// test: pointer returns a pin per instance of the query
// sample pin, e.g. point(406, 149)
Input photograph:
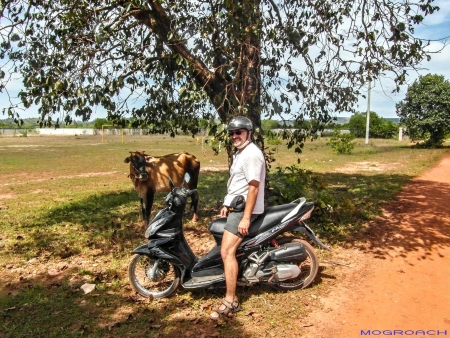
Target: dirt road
point(399, 281)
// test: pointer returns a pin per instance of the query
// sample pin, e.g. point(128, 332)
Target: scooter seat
point(270, 217)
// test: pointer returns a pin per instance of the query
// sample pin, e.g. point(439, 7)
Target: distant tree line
point(425, 112)
point(31, 123)
point(379, 127)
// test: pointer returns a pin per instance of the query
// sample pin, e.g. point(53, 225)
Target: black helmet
point(240, 122)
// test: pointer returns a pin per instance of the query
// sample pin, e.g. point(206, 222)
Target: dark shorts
point(233, 220)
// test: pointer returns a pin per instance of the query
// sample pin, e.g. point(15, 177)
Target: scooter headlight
point(177, 201)
point(162, 218)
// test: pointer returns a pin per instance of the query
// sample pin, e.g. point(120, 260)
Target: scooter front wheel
point(155, 278)
point(308, 268)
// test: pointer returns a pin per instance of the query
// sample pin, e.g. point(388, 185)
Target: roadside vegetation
point(69, 216)
point(425, 111)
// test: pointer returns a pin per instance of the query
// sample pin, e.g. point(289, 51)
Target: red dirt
point(399, 280)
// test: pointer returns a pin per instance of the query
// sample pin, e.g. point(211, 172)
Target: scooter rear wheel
point(308, 267)
point(153, 278)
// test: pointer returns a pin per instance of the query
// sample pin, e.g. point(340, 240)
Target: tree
point(99, 122)
point(170, 63)
point(378, 127)
point(425, 111)
point(385, 129)
point(341, 143)
point(267, 125)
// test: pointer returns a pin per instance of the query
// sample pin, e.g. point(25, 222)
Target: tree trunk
point(240, 95)
point(248, 77)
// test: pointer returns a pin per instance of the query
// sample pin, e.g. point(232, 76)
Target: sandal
point(225, 309)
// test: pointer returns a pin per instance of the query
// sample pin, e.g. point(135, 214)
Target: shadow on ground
point(417, 219)
point(49, 302)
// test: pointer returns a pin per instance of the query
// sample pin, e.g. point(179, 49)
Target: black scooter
point(166, 261)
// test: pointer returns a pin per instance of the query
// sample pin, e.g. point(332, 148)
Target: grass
point(69, 216)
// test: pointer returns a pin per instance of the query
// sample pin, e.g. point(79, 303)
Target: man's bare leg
point(230, 243)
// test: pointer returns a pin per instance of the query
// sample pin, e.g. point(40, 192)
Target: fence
point(128, 131)
point(325, 132)
point(16, 132)
point(69, 131)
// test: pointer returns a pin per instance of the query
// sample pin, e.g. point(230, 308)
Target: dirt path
point(399, 282)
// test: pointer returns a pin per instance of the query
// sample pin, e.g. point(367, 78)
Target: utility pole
point(368, 115)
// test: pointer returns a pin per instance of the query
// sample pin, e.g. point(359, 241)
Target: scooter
point(264, 257)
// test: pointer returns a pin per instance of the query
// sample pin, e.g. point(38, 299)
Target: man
point(247, 178)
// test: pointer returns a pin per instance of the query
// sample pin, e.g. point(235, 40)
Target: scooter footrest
point(195, 282)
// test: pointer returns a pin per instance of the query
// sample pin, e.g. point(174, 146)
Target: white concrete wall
point(66, 131)
point(70, 131)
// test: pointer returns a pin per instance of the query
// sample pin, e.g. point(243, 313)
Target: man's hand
point(244, 224)
point(224, 212)
point(243, 227)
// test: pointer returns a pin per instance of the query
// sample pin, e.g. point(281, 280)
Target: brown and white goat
point(150, 174)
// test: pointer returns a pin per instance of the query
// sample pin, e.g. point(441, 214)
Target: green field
point(69, 216)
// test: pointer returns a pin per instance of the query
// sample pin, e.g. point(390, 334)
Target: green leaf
point(15, 37)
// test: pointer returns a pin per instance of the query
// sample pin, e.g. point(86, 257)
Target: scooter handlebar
point(192, 192)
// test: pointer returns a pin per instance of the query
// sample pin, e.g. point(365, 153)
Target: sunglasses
point(237, 132)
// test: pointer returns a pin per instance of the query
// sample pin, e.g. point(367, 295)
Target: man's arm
point(244, 225)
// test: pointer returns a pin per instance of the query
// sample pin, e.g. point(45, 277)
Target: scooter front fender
point(156, 252)
point(142, 250)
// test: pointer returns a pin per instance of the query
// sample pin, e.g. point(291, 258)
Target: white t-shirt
point(248, 165)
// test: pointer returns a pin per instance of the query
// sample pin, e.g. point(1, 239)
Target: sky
point(382, 100)
point(436, 26)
